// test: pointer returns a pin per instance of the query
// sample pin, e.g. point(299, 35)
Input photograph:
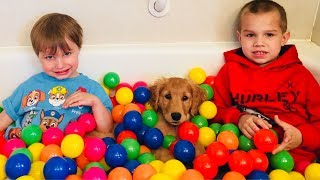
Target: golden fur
point(176, 100)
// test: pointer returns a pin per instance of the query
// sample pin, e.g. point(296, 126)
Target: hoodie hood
point(288, 55)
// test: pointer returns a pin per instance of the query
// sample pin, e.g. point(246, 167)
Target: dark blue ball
point(17, 165)
point(108, 141)
point(153, 138)
point(258, 175)
point(118, 129)
point(56, 168)
point(132, 120)
point(141, 95)
point(116, 155)
point(131, 165)
point(140, 133)
point(72, 165)
point(184, 151)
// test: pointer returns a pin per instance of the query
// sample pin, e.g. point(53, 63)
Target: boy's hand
point(249, 125)
point(80, 98)
point(292, 136)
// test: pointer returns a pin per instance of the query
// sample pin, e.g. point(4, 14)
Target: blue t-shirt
point(39, 101)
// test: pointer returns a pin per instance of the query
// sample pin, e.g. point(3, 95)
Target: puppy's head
point(177, 99)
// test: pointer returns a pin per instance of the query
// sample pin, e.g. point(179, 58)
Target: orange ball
point(144, 149)
point(119, 173)
point(231, 175)
point(82, 161)
point(50, 151)
point(191, 174)
point(117, 113)
point(131, 107)
point(229, 139)
point(144, 172)
point(73, 177)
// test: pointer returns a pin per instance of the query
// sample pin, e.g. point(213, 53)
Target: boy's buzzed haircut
point(263, 6)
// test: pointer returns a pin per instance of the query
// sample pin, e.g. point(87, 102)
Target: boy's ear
point(239, 36)
point(285, 38)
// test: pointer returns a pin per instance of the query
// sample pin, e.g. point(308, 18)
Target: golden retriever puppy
point(176, 100)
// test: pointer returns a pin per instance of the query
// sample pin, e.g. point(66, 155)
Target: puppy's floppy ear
point(198, 97)
point(155, 93)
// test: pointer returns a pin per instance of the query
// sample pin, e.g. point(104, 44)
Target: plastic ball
point(72, 165)
point(118, 129)
point(108, 141)
point(160, 176)
point(260, 160)
point(173, 168)
point(124, 135)
point(241, 162)
point(72, 145)
point(25, 177)
point(209, 80)
point(233, 175)
point(111, 80)
point(144, 149)
point(197, 75)
point(144, 172)
point(282, 160)
point(153, 138)
point(117, 113)
point(140, 133)
point(230, 127)
point(279, 174)
point(296, 175)
point(245, 143)
point(94, 164)
point(131, 107)
point(219, 152)
point(82, 161)
point(206, 136)
point(265, 140)
point(75, 127)
point(31, 134)
point(215, 127)
point(123, 84)
point(124, 96)
point(94, 173)
point(139, 84)
point(119, 173)
point(17, 165)
point(94, 148)
point(157, 165)
point(184, 151)
point(73, 177)
point(149, 118)
point(259, 175)
point(208, 90)
point(146, 158)
point(88, 121)
point(188, 131)
point(116, 155)
point(229, 139)
point(50, 151)
point(208, 109)
point(168, 139)
point(52, 135)
point(24, 151)
point(36, 170)
point(312, 171)
point(191, 174)
point(206, 166)
point(131, 165)
point(199, 121)
point(141, 94)
point(141, 106)
point(3, 161)
point(132, 147)
point(301, 166)
point(132, 120)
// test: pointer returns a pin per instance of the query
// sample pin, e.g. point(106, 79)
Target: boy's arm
point(5, 121)
point(102, 116)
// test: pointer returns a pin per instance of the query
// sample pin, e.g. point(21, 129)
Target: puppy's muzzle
point(176, 116)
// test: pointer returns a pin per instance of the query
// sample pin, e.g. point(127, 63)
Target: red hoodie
point(284, 88)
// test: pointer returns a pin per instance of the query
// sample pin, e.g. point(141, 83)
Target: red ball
point(125, 134)
point(139, 84)
point(11, 145)
point(206, 166)
point(241, 162)
point(52, 135)
point(3, 141)
point(94, 149)
point(209, 80)
point(265, 140)
point(171, 147)
point(301, 166)
point(260, 160)
point(114, 101)
point(75, 128)
point(123, 84)
point(218, 152)
point(188, 131)
point(87, 119)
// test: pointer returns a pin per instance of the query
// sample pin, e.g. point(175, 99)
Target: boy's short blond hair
point(264, 6)
point(51, 30)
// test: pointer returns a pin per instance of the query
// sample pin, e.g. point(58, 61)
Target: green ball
point(94, 164)
point(199, 121)
point(25, 151)
point(132, 147)
point(111, 80)
point(149, 118)
point(31, 134)
point(215, 127)
point(1, 109)
point(146, 158)
point(282, 160)
point(209, 91)
point(167, 140)
point(245, 143)
point(230, 127)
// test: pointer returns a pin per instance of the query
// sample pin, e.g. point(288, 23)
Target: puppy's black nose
point(176, 116)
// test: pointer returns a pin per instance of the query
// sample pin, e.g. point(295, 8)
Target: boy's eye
point(250, 35)
point(67, 53)
point(49, 57)
point(270, 34)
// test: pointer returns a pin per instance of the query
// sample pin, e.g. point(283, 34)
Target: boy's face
point(261, 37)
point(61, 65)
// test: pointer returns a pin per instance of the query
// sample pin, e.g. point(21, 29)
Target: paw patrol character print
point(14, 133)
point(33, 98)
point(57, 95)
point(50, 119)
point(28, 118)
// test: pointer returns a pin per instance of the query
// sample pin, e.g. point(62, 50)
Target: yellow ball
point(312, 172)
point(35, 150)
point(3, 160)
point(208, 109)
point(279, 174)
point(174, 168)
point(124, 96)
point(197, 75)
point(296, 175)
point(157, 164)
point(206, 136)
point(72, 145)
point(36, 170)
point(147, 105)
point(106, 90)
point(25, 177)
point(160, 176)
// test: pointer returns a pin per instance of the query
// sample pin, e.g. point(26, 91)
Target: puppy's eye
point(184, 98)
point(168, 96)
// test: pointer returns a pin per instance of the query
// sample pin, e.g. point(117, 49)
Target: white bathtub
point(137, 62)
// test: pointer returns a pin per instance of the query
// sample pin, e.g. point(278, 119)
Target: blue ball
point(258, 175)
point(141, 95)
point(132, 120)
point(118, 129)
point(140, 133)
point(17, 165)
point(184, 151)
point(56, 168)
point(131, 165)
point(153, 138)
point(116, 155)
point(72, 165)
point(108, 141)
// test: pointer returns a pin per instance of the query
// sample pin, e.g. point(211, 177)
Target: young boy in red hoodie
point(263, 84)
